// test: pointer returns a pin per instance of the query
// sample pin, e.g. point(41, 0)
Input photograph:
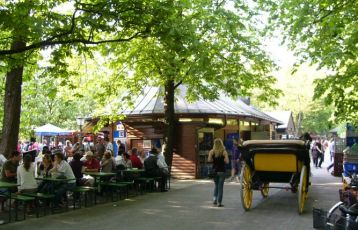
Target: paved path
point(188, 206)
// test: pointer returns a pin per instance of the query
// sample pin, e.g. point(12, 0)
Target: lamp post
point(80, 121)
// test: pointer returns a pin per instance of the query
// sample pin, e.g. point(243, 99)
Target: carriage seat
point(275, 155)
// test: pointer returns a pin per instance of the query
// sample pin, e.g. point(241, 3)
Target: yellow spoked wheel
point(265, 189)
point(246, 187)
point(302, 189)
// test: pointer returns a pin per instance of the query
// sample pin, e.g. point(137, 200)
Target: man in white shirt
point(108, 144)
point(332, 150)
point(62, 169)
point(2, 160)
point(161, 160)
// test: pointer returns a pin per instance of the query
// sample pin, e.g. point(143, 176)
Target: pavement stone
point(188, 205)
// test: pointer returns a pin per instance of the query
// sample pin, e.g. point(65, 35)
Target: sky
point(280, 53)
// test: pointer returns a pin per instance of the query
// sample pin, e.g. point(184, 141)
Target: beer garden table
point(99, 175)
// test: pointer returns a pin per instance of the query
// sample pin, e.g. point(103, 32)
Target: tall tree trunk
point(169, 114)
point(12, 105)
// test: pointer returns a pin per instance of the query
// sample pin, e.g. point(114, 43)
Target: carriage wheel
point(246, 188)
point(302, 189)
point(265, 189)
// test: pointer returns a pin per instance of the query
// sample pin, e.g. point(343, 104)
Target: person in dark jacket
point(154, 168)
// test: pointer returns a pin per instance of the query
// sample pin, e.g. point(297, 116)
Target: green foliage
point(65, 29)
point(51, 102)
point(318, 119)
point(44, 23)
point(324, 32)
point(298, 96)
point(205, 45)
point(201, 44)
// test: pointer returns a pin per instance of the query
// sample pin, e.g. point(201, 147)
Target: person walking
point(314, 153)
point(235, 160)
point(320, 153)
point(332, 150)
point(219, 157)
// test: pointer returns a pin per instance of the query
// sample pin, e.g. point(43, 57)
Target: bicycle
point(344, 214)
point(342, 217)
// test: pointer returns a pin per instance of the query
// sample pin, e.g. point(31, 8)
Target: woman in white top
point(26, 176)
point(126, 161)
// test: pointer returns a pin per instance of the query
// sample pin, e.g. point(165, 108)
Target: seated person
point(9, 171)
point(43, 170)
point(136, 162)
point(107, 162)
point(123, 164)
point(78, 168)
point(161, 161)
point(126, 161)
point(91, 165)
point(154, 168)
point(61, 169)
point(26, 176)
point(142, 157)
point(118, 159)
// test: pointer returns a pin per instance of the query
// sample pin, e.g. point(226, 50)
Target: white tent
point(51, 130)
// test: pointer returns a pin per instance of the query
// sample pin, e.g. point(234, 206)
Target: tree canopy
point(324, 32)
point(297, 97)
point(210, 46)
point(68, 28)
point(207, 45)
point(62, 22)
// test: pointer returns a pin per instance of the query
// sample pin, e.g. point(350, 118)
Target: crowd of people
point(72, 162)
point(319, 147)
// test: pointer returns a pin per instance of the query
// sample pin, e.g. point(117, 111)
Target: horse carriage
point(274, 161)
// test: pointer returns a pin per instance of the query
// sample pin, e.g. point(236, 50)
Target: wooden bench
point(24, 200)
point(116, 188)
point(48, 199)
point(145, 182)
point(129, 184)
point(83, 190)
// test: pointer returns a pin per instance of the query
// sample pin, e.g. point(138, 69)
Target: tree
point(65, 26)
point(205, 45)
point(318, 119)
point(324, 32)
point(298, 92)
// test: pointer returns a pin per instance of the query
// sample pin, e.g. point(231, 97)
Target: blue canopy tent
point(51, 130)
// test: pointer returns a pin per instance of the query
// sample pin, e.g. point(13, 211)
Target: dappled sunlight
point(327, 184)
point(208, 207)
point(151, 211)
point(172, 201)
point(204, 181)
point(216, 208)
point(67, 222)
point(175, 206)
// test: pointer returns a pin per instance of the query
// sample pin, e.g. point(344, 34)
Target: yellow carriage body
point(275, 155)
point(277, 162)
point(267, 161)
